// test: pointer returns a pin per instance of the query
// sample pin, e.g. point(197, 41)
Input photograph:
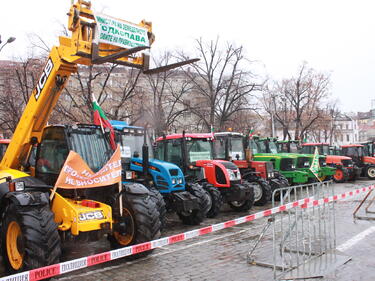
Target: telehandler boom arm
point(83, 47)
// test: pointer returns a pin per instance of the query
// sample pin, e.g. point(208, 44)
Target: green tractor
point(293, 146)
point(282, 162)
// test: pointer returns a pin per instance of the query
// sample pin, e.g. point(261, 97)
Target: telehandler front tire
point(29, 237)
point(142, 222)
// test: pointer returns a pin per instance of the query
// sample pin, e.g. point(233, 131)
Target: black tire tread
point(248, 203)
point(196, 216)
point(42, 245)
point(267, 192)
point(216, 199)
point(160, 205)
point(147, 222)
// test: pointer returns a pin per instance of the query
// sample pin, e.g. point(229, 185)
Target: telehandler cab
point(30, 222)
point(165, 180)
point(221, 179)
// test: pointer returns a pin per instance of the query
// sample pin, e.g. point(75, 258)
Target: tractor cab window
point(293, 147)
point(254, 147)
point(236, 150)
point(199, 149)
point(92, 145)
point(307, 149)
point(219, 147)
point(131, 144)
point(174, 154)
point(159, 151)
point(272, 147)
point(262, 147)
point(353, 151)
point(53, 151)
point(366, 151)
point(3, 148)
point(282, 147)
point(325, 150)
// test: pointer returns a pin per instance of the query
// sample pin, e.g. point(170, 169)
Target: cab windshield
point(199, 149)
point(262, 147)
point(293, 147)
point(272, 146)
point(354, 151)
point(131, 145)
point(254, 147)
point(236, 149)
point(307, 149)
point(325, 150)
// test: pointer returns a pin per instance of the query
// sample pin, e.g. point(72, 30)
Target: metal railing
point(300, 234)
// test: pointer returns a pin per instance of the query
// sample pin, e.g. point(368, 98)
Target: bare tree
point(296, 103)
point(164, 99)
point(325, 129)
point(221, 84)
point(18, 80)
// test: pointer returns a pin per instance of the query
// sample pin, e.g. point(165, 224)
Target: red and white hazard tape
point(65, 267)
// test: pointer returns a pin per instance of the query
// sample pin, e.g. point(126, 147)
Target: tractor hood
point(159, 165)
point(369, 159)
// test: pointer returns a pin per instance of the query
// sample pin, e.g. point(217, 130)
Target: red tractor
point(193, 153)
point(345, 168)
point(232, 146)
point(357, 153)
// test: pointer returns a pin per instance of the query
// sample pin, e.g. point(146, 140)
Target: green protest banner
point(120, 33)
point(314, 168)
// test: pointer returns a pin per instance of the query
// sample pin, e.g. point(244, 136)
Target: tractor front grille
point(347, 162)
point(301, 162)
point(161, 183)
point(269, 167)
point(322, 162)
point(173, 172)
point(286, 164)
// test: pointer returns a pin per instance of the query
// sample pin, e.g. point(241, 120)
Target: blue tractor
point(165, 180)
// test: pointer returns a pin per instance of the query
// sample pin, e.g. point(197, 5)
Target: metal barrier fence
point(304, 238)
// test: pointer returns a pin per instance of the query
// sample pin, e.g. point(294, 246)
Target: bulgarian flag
point(251, 133)
point(102, 120)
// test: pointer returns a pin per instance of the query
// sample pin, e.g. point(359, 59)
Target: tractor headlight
point(306, 164)
point(234, 175)
point(231, 175)
point(128, 175)
point(174, 181)
point(293, 166)
point(19, 186)
point(180, 180)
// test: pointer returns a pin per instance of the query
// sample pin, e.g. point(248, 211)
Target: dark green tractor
point(305, 160)
point(284, 163)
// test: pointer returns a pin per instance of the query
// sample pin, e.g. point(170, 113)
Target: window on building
point(347, 138)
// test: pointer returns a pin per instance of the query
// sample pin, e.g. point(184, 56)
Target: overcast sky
point(333, 36)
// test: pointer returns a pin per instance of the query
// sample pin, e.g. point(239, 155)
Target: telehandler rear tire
point(142, 223)
point(29, 237)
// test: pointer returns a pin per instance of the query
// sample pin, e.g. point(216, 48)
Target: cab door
point(51, 155)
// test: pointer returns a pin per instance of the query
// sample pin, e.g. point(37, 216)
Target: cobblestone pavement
point(222, 255)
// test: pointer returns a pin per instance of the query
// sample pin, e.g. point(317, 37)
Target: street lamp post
point(10, 40)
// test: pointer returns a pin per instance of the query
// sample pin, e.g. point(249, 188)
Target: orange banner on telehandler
point(77, 174)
